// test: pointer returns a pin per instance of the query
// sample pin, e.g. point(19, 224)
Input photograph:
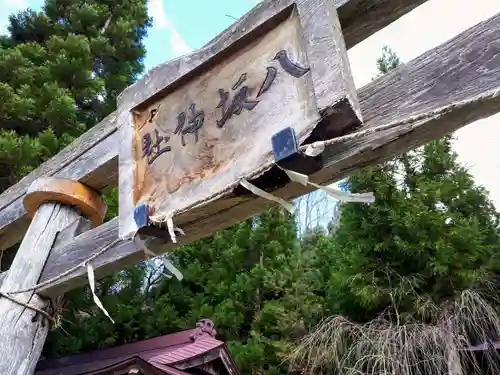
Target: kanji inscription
point(228, 113)
point(155, 142)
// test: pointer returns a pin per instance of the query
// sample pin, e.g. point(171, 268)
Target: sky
point(181, 26)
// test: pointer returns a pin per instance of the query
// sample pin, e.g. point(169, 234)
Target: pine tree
point(403, 274)
point(430, 234)
point(254, 280)
point(61, 70)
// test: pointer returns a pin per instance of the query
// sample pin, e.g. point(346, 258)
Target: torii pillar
point(54, 204)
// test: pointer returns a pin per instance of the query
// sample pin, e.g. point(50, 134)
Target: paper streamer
point(148, 253)
point(261, 193)
point(297, 177)
point(168, 218)
point(342, 196)
point(170, 227)
point(97, 301)
point(314, 149)
point(172, 269)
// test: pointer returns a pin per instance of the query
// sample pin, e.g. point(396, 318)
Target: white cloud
point(157, 12)
point(178, 46)
point(426, 27)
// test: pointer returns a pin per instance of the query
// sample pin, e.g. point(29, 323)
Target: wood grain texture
point(3, 275)
point(22, 337)
point(124, 252)
point(327, 55)
point(64, 237)
point(442, 90)
point(172, 74)
point(361, 17)
point(64, 159)
point(93, 158)
point(302, 35)
point(233, 108)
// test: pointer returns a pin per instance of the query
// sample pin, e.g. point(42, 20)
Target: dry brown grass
point(388, 345)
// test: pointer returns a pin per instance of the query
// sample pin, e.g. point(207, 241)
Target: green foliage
point(61, 70)
point(111, 198)
point(253, 280)
point(430, 235)
point(388, 61)
point(402, 274)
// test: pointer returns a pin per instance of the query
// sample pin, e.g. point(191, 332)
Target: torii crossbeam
point(423, 100)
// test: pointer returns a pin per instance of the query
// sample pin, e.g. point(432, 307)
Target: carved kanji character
point(195, 122)
point(240, 101)
point(289, 66)
point(152, 150)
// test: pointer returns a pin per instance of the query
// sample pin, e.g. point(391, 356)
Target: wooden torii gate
point(442, 90)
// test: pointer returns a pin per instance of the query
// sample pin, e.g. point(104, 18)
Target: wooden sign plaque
point(191, 129)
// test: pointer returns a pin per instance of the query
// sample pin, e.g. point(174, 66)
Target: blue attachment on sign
point(287, 155)
point(284, 144)
point(141, 215)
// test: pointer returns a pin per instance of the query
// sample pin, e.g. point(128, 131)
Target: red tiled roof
point(159, 351)
point(139, 363)
point(200, 346)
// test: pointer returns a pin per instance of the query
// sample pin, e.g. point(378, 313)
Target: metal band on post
point(66, 192)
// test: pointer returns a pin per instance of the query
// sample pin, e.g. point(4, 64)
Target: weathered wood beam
point(57, 206)
point(24, 330)
point(319, 88)
point(359, 18)
point(437, 93)
point(93, 158)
